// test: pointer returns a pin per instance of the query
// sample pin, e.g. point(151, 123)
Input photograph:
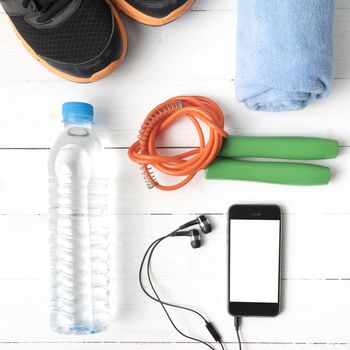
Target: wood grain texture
point(24, 253)
point(313, 312)
point(121, 109)
point(161, 63)
point(315, 291)
point(25, 171)
point(202, 63)
point(168, 346)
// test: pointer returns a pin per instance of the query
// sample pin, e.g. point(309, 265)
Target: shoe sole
point(149, 20)
point(96, 76)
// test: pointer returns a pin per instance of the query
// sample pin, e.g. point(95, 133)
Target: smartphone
point(254, 260)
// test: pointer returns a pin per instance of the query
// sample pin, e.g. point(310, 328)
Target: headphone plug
point(237, 321)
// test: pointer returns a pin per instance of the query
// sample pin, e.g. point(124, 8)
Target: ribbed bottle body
point(79, 243)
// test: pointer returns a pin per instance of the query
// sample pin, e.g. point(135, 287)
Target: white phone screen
point(254, 260)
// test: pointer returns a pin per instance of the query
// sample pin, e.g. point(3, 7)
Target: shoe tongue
point(43, 5)
point(49, 8)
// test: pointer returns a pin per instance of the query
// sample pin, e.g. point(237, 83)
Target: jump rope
point(144, 151)
point(223, 156)
point(220, 155)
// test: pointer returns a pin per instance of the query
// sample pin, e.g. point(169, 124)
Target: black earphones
point(194, 234)
point(205, 227)
point(203, 223)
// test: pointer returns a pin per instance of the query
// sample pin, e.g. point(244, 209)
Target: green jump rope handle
point(270, 172)
point(302, 148)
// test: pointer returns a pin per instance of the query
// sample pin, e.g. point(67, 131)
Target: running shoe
point(79, 40)
point(154, 12)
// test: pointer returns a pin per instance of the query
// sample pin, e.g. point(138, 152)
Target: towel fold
point(284, 53)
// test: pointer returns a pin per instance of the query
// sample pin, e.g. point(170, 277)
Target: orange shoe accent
point(152, 21)
point(96, 76)
point(197, 109)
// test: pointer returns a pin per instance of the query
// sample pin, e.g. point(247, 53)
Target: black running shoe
point(79, 40)
point(154, 12)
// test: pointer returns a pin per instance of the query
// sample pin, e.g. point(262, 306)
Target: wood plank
point(23, 189)
point(313, 317)
point(121, 110)
point(168, 346)
point(224, 5)
point(154, 53)
point(313, 312)
point(313, 248)
point(218, 5)
point(342, 4)
point(122, 101)
point(316, 264)
point(206, 54)
point(207, 5)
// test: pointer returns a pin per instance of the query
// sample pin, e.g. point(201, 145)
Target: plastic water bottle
point(78, 226)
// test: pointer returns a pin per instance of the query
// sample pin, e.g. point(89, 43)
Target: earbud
point(194, 234)
point(195, 239)
point(203, 223)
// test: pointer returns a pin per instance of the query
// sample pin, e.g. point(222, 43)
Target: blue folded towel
point(284, 53)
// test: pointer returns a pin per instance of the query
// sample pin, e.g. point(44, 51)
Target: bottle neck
point(70, 124)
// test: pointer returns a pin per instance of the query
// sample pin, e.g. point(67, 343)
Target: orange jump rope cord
point(144, 151)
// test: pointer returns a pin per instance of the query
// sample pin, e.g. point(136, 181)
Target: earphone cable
point(152, 297)
point(237, 321)
point(151, 248)
point(154, 245)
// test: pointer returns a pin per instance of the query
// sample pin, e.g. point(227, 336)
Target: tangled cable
point(195, 108)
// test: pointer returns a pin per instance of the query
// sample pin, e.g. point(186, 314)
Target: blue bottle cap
point(77, 113)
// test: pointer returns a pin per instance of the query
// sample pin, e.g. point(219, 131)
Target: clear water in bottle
point(78, 226)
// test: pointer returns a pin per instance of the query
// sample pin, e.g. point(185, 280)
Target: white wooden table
point(194, 55)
